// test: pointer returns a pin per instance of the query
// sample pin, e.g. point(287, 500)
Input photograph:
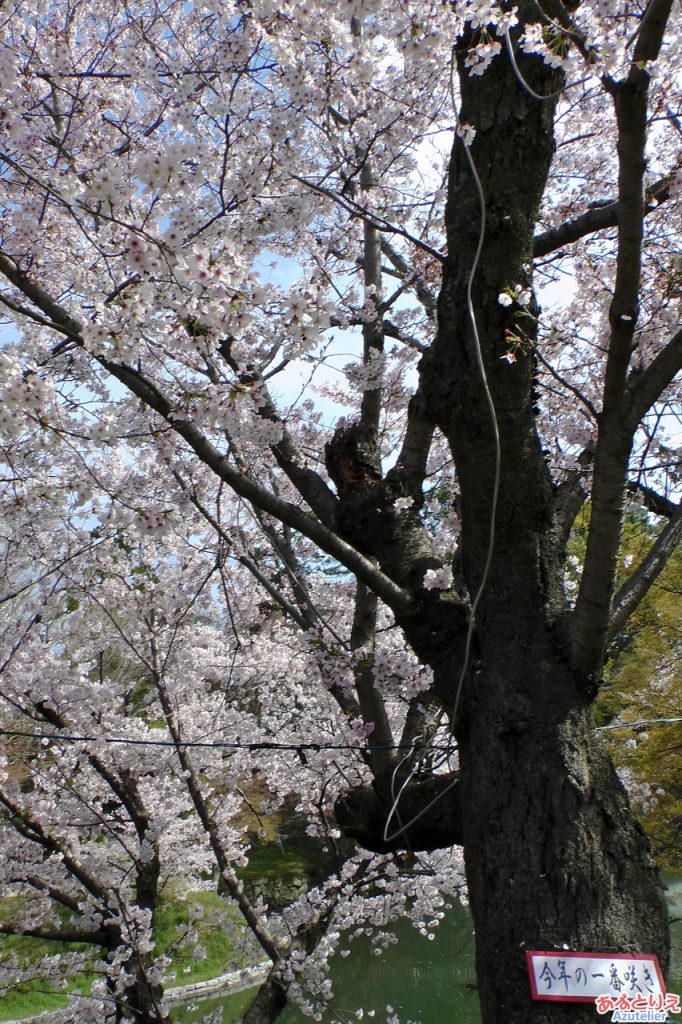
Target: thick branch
point(308, 483)
point(270, 1000)
point(122, 783)
point(653, 501)
point(32, 829)
point(635, 589)
point(569, 498)
point(363, 635)
point(598, 217)
point(372, 330)
point(58, 895)
point(427, 816)
point(99, 938)
point(412, 462)
point(396, 598)
point(59, 319)
point(391, 330)
point(651, 30)
point(481, 403)
point(590, 620)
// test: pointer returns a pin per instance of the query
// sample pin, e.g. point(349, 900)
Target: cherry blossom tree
point(421, 177)
point(136, 732)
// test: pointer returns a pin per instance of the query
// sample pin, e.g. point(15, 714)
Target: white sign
point(581, 977)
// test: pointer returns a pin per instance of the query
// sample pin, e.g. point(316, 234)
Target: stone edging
point(233, 981)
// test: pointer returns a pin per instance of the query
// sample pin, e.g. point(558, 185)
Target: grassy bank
point(203, 923)
point(210, 924)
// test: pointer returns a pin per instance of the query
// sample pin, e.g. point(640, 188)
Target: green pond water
point(431, 982)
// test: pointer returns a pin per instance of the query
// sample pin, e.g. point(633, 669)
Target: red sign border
point(573, 954)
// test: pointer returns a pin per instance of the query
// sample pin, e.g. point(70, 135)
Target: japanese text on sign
point(581, 977)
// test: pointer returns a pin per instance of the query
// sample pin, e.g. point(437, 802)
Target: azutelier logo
point(638, 1007)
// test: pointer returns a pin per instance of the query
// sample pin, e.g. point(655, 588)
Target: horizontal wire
point(257, 745)
point(636, 725)
point(210, 744)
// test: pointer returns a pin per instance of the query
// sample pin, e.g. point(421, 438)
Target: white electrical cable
point(522, 81)
point(495, 426)
point(486, 390)
point(496, 431)
point(640, 724)
point(432, 803)
point(481, 366)
point(496, 481)
point(396, 799)
point(524, 84)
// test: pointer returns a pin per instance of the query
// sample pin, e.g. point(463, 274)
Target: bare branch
point(646, 387)
point(309, 484)
point(566, 384)
point(423, 291)
point(292, 515)
point(391, 330)
point(559, 12)
point(635, 589)
point(653, 502)
point(374, 219)
point(244, 560)
point(269, 943)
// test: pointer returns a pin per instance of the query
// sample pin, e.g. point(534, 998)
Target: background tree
point(643, 686)
point(157, 156)
point(137, 734)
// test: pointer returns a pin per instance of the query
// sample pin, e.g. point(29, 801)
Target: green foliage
point(35, 996)
point(643, 682)
point(232, 1006)
point(21, 1002)
point(212, 926)
point(203, 921)
point(270, 860)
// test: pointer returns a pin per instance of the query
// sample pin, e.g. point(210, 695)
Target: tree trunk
point(144, 1000)
point(554, 856)
point(270, 999)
